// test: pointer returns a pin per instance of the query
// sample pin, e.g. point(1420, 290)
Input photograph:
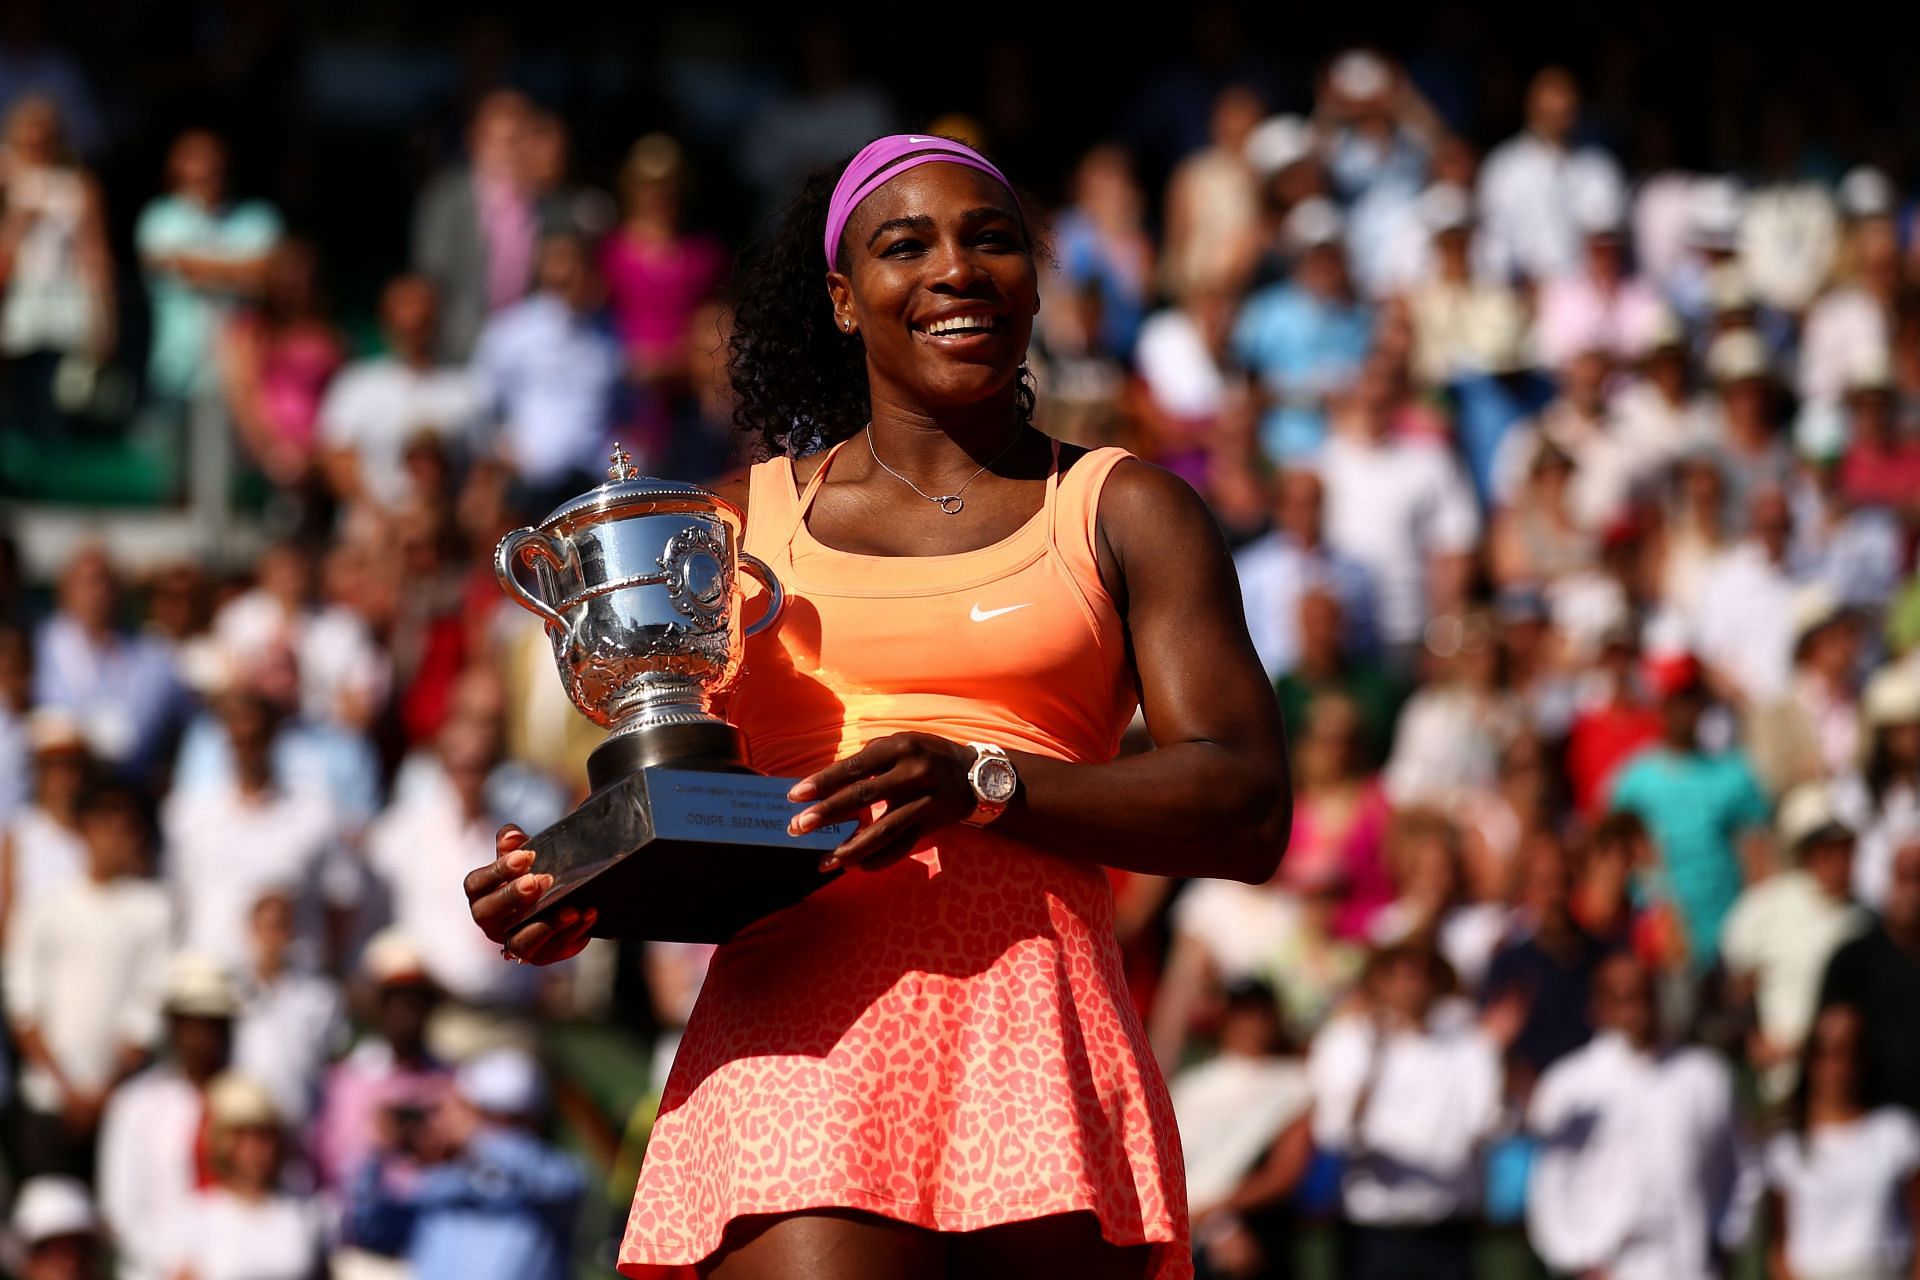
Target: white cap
point(1866, 193)
point(1729, 290)
point(1812, 607)
point(54, 729)
point(391, 957)
point(198, 987)
point(1444, 207)
point(1661, 329)
point(1359, 74)
point(1598, 209)
point(1892, 696)
point(1806, 812)
point(50, 1206)
point(1871, 369)
point(1714, 209)
point(506, 1082)
point(1314, 222)
point(1278, 142)
point(1737, 356)
point(235, 1101)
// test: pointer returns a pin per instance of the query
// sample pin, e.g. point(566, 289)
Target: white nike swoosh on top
point(916, 138)
point(981, 615)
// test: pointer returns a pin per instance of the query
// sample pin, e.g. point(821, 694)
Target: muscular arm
point(1213, 797)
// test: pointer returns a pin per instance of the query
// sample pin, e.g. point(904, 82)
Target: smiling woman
point(931, 1066)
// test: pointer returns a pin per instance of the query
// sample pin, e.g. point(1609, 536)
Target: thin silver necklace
point(949, 503)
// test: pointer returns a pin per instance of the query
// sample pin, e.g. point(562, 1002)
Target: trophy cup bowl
point(640, 586)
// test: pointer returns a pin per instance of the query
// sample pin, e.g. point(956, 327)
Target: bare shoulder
point(1144, 507)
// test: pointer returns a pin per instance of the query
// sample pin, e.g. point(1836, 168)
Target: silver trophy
point(639, 583)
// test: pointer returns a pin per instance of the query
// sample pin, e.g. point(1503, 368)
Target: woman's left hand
point(921, 776)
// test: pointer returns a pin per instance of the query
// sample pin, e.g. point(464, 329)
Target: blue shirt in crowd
point(1302, 347)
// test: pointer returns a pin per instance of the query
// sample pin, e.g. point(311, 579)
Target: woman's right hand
point(502, 894)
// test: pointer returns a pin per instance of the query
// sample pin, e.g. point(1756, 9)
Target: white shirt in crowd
point(146, 1171)
point(47, 855)
point(1530, 195)
point(417, 848)
point(1640, 1171)
point(85, 968)
point(1743, 620)
point(1390, 506)
point(287, 1031)
point(1275, 571)
point(1882, 828)
point(1431, 1099)
point(1230, 1111)
point(1789, 235)
point(552, 374)
point(1782, 931)
point(376, 406)
point(340, 664)
point(1843, 327)
point(224, 851)
point(1180, 371)
point(222, 1236)
point(1844, 1189)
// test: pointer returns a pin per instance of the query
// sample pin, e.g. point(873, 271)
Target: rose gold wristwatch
point(993, 781)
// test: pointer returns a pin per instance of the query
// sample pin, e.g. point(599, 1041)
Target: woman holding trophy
point(931, 1065)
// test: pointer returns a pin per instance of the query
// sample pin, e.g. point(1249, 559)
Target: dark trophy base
point(680, 840)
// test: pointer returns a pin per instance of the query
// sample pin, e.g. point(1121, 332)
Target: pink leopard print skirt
point(947, 1042)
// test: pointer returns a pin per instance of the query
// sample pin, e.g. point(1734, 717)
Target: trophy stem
point(713, 745)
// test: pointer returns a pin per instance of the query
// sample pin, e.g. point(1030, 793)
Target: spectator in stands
point(244, 1226)
point(492, 1199)
point(390, 1071)
point(1537, 536)
point(1327, 665)
point(1642, 1173)
point(658, 276)
point(1746, 433)
point(1810, 732)
point(82, 984)
point(1380, 136)
point(1449, 738)
point(1855, 317)
point(1246, 1137)
point(1598, 305)
point(1407, 1092)
point(1547, 960)
point(1279, 568)
point(291, 1022)
point(1340, 815)
point(1401, 509)
point(1105, 256)
point(377, 406)
point(1304, 339)
point(1704, 810)
point(57, 302)
point(1879, 974)
point(1434, 900)
point(1190, 411)
point(1751, 606)
point(1534, 184)
point(1782, 932)
point(553, 369)
point(56, 1231)
point(276, 360)
point(228, 841)
point(1211, 230)
point(203, 253)
point(122, 688)
point(1881, 801)
point(474, 228)
point(431, 833)
point(42, 849)
point(151, 1154)
point(1845, 1172)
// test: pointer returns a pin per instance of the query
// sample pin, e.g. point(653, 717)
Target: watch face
point(996, 780)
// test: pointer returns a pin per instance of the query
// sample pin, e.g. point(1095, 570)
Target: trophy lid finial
point(621, 468)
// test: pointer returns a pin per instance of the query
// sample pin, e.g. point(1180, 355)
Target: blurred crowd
point(1574, 509)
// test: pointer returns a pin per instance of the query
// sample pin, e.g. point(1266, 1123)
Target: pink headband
point(876, 165)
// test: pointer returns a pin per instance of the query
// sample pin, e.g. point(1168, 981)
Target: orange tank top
point(1015, 643)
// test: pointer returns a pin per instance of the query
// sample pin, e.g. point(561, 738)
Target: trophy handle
point(776, 594)
point(527, 544)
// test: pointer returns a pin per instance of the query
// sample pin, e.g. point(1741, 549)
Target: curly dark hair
point(799, 380)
